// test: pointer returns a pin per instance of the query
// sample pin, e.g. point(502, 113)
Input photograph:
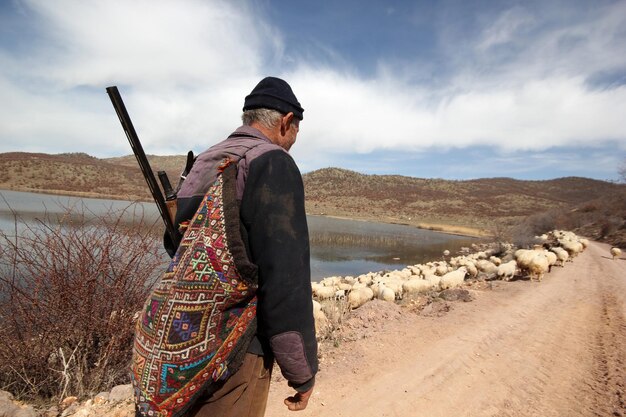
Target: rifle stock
point(142, 160)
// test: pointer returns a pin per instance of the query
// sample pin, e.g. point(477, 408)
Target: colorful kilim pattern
point(193, 325)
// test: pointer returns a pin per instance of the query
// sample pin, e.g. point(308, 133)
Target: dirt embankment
point(555, 348)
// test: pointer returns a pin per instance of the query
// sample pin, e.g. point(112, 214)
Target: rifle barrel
point(142, 160)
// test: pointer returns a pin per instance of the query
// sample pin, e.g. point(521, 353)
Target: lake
point(339, 247)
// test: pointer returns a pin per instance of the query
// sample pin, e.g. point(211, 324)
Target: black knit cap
point(273, 93)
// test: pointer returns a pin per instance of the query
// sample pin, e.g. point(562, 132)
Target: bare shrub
point(336, 312)
point(609, 226)
point(69, 291)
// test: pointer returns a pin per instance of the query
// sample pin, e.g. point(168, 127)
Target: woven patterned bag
point(195, 327)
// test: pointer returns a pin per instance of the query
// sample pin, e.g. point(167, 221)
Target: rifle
point(167, 211)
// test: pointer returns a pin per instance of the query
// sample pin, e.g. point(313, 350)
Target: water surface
point(339, 247)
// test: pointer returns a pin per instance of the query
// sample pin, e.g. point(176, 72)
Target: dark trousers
point(244, 394)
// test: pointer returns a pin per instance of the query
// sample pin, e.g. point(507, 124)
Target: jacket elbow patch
point(288, 349)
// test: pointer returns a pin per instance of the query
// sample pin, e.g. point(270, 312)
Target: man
point(274, 231)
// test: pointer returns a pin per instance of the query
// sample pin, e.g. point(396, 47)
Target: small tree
point(69, 292)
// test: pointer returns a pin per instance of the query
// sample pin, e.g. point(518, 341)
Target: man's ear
point(285, 122)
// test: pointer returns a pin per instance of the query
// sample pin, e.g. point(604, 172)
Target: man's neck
point(271, 134)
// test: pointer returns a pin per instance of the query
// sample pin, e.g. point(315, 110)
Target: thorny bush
point(69, 291)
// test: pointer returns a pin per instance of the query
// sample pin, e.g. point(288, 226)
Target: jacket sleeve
point(273, 215)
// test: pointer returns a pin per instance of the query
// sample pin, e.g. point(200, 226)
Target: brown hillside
point(83, 175)
point(486, 204)
point(489, 205)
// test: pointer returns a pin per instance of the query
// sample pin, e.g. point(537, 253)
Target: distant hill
point(473, 203)
point(83, 175)
point(470, 206)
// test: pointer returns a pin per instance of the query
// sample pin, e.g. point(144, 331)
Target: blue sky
point(436, 89)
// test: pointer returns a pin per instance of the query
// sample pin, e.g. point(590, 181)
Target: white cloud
point(506, 28)
point(184, 68)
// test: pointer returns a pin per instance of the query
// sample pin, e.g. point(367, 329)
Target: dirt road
point(555, 348)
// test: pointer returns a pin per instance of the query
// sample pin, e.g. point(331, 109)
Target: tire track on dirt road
point(554, 348)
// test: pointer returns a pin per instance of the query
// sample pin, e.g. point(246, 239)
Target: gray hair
point(267, 117)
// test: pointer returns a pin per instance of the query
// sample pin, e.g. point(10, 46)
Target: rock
point(8, 408)
point(436, 308)
point(25, 411)
point(454, 294)
point(68, 401)
point(52, 412)
point(70, 410)
point(121, 393)
point(101, 398)
point(82, 412)
point(124, 412)
point(6, 396)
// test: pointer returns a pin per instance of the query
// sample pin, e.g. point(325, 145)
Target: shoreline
point(434, 227)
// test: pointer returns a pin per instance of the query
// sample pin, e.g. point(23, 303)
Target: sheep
point(340, 294)
point(360, 296)
point(572, 247)
point(495, 260)
point(507, 270)
point(552, 258)
point(417, 286)
point(616, 252)
point(321, 321)
point(533, 262)
point(395, 285)
point(385, 293)
point(471, 269)
point(441, 268)
point(453, 279)
point(435, 281)
point(538, 266)
point(323, 293)
point(561, 255)
point(330, 281)
point(486, 267)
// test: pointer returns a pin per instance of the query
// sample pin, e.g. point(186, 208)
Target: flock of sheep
point(552, 249)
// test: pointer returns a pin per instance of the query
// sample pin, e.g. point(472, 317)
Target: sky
point(452, 89)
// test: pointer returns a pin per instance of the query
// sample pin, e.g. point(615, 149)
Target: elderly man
point(271, 253)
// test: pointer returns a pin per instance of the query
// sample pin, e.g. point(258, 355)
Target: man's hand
point(299, 401)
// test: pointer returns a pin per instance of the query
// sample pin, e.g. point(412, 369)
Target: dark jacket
point(274, 228)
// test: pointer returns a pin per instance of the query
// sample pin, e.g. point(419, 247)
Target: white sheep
point(321, 321)
point(572, 247)
point(615, 252)
point(561, 255)
point(539, 266)
point(507, 270)
point(453, 279)
point(417, 286)
point(552, 258)
point(533, 262)
point(360, 296)
point(385, 293)
point(486, 267)
point(323, 293)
